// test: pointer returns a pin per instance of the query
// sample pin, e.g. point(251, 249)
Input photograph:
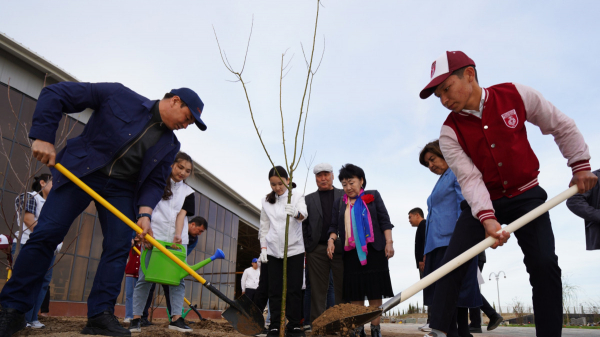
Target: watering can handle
point(143, 260)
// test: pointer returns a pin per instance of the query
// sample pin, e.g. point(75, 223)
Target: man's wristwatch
point(141, 215)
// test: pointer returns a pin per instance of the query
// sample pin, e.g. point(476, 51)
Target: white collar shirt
point(250, 278)
point(478, 113)
point(166, 211)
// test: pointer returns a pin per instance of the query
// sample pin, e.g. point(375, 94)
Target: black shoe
point(475, 330)
point(145, 322)
point(135, 325)
point(494, 322)
point(105, 324)
point(273, 332)
point(295, 332)
point(180, 326)
point(11, 321)
point(375, 330)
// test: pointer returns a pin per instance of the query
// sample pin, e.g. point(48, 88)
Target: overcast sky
point(365, 107)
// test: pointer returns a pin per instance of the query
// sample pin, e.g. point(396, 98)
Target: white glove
point(291, 210)
point(58, 248)
point(263, 255)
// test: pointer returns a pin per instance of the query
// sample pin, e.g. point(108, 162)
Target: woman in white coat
point(275, 209)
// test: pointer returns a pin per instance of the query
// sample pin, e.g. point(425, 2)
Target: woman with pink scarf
point(362, 223)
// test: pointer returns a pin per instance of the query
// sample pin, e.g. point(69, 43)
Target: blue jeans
point(129, 286)
point(142, 289)
point(62, 206)
point(32, 315)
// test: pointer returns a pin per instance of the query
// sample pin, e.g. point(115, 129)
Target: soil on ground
point(71, 326)
point(339, 312)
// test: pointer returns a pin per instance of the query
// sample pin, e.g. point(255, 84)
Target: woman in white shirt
point(169, 221)
point(275, 209)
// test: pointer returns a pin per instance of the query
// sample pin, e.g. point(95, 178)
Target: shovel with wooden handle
point(358, 320)
point(242, 313)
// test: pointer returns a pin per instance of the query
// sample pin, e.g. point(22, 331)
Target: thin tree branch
point(308, 75)
point(308, 165)
point(248, 45)
point(281, 110)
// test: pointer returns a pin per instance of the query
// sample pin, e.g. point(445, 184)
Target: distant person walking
point(250, 279)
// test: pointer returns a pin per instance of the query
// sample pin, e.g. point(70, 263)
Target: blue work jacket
point(443, 209)
point(119, 116)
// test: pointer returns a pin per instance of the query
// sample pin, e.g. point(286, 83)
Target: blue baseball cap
point(254, 260)
point(193, 101)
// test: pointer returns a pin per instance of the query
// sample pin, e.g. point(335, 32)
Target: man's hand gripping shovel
point(242, 313)
point(358, 320)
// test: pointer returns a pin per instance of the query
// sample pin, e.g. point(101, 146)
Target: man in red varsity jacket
point(485, 144)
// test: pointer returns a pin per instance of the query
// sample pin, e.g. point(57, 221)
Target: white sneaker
point(126, 320)
point(36, 325)
point(425, 328)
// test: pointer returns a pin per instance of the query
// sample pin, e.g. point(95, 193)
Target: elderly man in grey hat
point(316, 226)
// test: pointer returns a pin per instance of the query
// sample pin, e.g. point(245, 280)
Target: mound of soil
point(338, 312)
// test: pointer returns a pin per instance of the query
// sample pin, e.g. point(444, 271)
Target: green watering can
point(161, 269)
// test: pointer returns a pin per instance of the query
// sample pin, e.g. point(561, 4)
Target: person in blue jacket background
point(125, 154)
point(443, 208)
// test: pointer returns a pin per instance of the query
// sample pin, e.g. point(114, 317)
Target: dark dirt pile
point(338, 312)
point(71, 326)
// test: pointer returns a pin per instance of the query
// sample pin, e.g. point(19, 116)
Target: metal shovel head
point(245, 316)
point(357, 320)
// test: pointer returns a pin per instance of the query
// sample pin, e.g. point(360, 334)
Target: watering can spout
point(218, 255)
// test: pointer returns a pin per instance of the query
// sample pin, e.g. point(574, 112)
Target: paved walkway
point(498, 332)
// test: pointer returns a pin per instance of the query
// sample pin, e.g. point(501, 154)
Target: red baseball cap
point(443, 67)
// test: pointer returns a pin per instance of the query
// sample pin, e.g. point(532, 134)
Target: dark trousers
point(45, 308)
point(475, 313)
point(536, 240)
point(261, 297)
point(307, 297)
point(293, 310)
point(319, 267)
point(250, 293)
point(62, 207)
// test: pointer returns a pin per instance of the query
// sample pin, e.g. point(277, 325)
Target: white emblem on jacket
point(510, 118)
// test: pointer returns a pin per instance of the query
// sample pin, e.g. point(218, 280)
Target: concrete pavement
point(498, 332)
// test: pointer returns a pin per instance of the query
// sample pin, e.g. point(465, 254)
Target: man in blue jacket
point(587, 206)
point(125, 154)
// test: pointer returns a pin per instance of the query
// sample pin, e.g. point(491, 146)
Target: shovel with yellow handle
point(242, 313)
point(361, 319)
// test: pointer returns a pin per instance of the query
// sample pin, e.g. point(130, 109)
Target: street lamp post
point(497, 276)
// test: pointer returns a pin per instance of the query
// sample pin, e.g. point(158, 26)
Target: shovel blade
point(245, 316)
point(357, 320)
